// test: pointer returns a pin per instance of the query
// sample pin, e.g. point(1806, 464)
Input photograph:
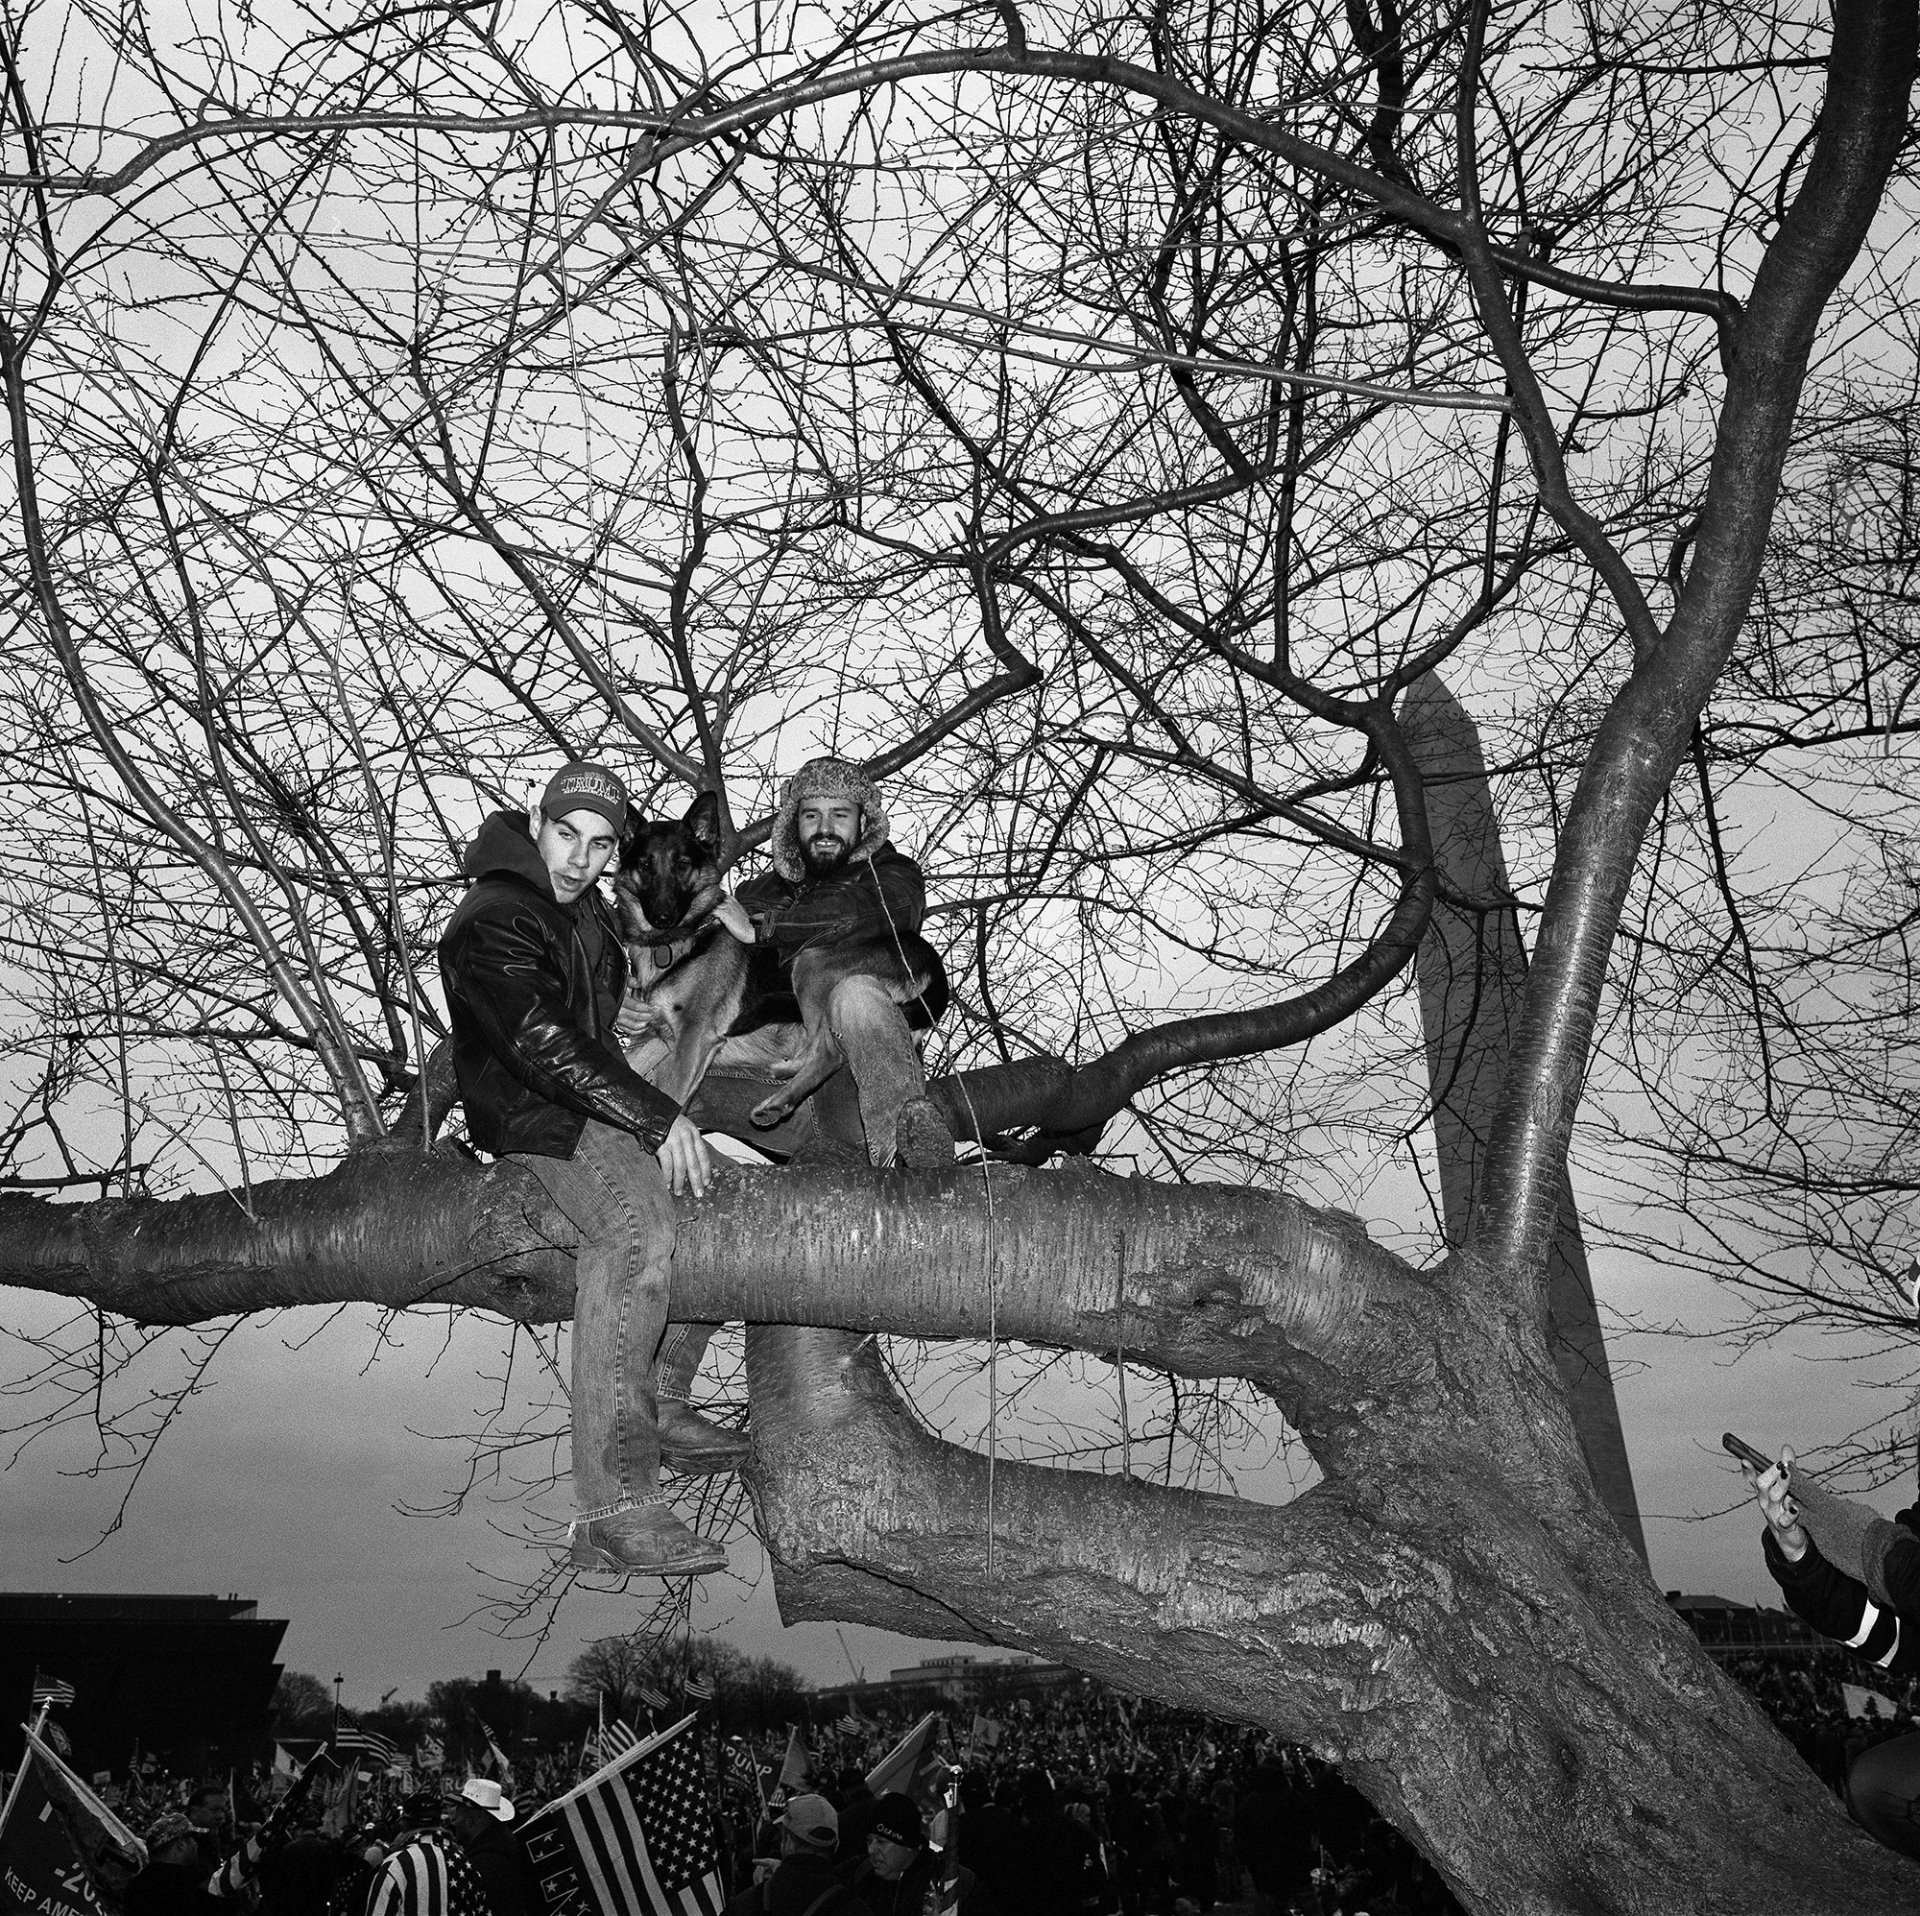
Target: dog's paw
point(769, 1112)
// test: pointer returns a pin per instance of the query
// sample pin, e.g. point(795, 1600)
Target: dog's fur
point(696, 982)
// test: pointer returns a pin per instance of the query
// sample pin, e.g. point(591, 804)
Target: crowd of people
point(1807, 1700)
point(1092, 1804)
point(429, 1852)
point(1083, 1805)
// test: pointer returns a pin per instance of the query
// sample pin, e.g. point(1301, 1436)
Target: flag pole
point(26, 1757)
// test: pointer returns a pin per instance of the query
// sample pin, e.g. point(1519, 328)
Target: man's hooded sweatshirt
point(533, 987)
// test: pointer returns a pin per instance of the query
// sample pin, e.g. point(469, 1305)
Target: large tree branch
point(1199, 1279)
point(859, 1504)
point(1380, 1621)
point(1646, 731)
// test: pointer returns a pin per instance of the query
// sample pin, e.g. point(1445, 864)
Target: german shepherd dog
point(697, 983)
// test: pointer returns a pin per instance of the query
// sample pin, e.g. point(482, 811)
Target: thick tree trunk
point(1472, 969)
point(1462, 1631)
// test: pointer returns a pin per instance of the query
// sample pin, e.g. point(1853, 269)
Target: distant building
point(188, 1679)
point(1729, 1629)
point(959, 1685)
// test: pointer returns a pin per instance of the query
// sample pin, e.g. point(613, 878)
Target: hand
point(732, 914)
point(685, 1159)
point(638, 1019)
point(1771, 1491)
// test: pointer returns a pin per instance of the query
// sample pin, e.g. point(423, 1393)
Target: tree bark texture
point(1505, 1686)
point(1471, 970)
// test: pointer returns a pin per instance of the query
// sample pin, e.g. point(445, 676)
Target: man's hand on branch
point(1771, 1493)
point(685, 1159)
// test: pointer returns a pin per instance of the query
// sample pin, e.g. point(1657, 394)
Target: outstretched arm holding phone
point(1881, 1623)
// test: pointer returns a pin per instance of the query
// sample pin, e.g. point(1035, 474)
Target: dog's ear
point(629, 840)
point(703, 821)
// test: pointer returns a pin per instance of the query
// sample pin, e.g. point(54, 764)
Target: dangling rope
point(1120, 1348)
point(993, 1318)
point(993, 1277)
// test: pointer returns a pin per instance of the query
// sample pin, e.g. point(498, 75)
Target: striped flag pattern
point(700, 1689)
point(635, 1840)
point(351, 1740)
point(614, 1741)
point(49, 1690)
point(655, 1700)
point(431, 1876)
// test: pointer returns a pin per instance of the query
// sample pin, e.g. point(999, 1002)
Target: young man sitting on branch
point(535, 972)
point(836, 881)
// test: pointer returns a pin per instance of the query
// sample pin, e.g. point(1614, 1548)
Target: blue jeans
point(625, 1353)
point(874, 1040)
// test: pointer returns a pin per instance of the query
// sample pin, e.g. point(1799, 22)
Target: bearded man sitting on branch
point(837, 883)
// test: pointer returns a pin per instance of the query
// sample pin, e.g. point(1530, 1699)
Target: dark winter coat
point(533, 987)
point(1839, 1606)
point(907, 1895)
point(1273, 1833)
point(512, 1889)
point(795, 1887)
point(878, 892)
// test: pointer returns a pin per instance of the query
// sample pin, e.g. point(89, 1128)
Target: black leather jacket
point(880, 894)
point(532, 1041)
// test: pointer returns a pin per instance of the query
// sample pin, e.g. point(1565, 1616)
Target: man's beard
point(824, 854)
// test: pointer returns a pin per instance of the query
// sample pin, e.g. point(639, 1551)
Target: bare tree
point(1097, 422)
point(613, 1669)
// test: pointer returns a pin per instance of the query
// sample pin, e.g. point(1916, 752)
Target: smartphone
point(1746, 1452)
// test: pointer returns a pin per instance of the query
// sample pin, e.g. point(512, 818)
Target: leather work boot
point(921, 1140)
point(694, 1447)
point(640, 1538)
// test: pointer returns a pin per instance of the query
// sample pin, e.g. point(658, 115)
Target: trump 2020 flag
point(635, 1839)
point(62, 1851)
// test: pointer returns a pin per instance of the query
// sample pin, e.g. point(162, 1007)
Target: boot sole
point(582, 1555)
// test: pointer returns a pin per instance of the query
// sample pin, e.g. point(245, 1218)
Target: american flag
point(431, 1873)
point(48, 1689)
point(700, 1689)
point(636, 1840)
point(614, 1741)
point(652, 1698)
point(351, 1740)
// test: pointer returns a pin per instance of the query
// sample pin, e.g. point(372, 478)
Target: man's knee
point(862, 1000)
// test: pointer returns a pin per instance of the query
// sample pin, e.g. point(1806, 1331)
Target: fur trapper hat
point(825, 778)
